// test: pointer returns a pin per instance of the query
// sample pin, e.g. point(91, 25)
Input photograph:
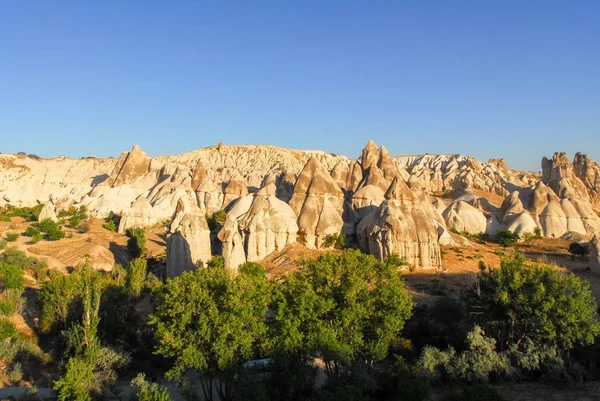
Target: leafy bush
point(15, 257)
point(474, 365)
point(74, 221)
point(403, 382)
point(31, 231)
point(145, 391)
point(136, 276)
point(577, 249)
point(338, 241)
point(83, 227)
point(506, 238)
point(78, 381)
point(534, 301)
point(11, 277)
point(11, 302)
point(36, 238)
point(15, 373)
point(110, 225)
point(136, 242)
point(51, 229)
point(12, 237)
point(2, 244)
point(217, 219)
point(538, 233)
point(7, 330)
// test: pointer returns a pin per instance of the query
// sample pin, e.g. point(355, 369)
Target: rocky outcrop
point(140, 214)
point(402, 225)
point(595, 254)
point(256, 226)
point(319, 204)
point(540, 207)
point(235, 189)
point(588, 171)
point(48, 212)
point(558, 174)
point(460, 216)
point(188, 242)
point(130, 166)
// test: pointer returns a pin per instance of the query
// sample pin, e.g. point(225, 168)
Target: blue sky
point(512, 79)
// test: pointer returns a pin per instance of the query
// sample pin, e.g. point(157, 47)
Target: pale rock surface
point(236, 188)
point(319, 204)
point(464, 218)
point(48, 212)
point(140, 214)
point(401, 225)
point(588, 171)
point(558, 174)
point(188, 242)
point(209, 196)
point(256, 226)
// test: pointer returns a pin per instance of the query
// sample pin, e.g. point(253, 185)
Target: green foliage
point(11, 277)
point(31, 231)
point(135, 279)
point(216, 261)
point(28, 213)
point(538, 233)
point(7, 330)
point(11, 302)
point(56, 300)
point(519, 301)
point(474, 365)
point(36, 238)
point(344, 307)
point(136, 242)
point(74, 221)
point(51, 229)
point(575, 249)
point(2, 244)
point(145, 391)
point(337, 241)
point(395, 261)
point(110, 225)
point(18, 258)
point(506, 238)
point(78, 382)
point(217, 219)
point(203, 320)
point(12, 237)
point(403, 382)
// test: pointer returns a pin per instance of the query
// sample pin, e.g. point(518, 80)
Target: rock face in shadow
point(402, 225)
point(319, 204)
point(256, 226)
point(595, 254)
point(188, 243)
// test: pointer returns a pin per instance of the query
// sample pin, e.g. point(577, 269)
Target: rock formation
point(558, 174)
point(256, 226)
point(140, 214)
point(588, 171)
point(319, 203)
point(130, 166)
point(402, 226)
point(48, 212)
point(236, 188)
point(188, 241)
point(464, 218)
point(595, 254)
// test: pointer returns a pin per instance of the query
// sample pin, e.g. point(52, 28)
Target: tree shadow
point(120, 253)
point(99, 179)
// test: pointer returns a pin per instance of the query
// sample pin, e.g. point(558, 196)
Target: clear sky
point(513, 79)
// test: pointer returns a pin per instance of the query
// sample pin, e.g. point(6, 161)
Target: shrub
point(11, 277)
point(144, 391)
point(506, 238)
point(217, 219)
point(110, 225)
point(74, 221)
point(2, 244)
point(7, 330)
point(11, 302)
point(51, 229)
point(338, 241)
point(15, 257)
point(575, 249)
point(136, 242)
point(403, 382)
point(533, 301)
point(36, 238)
point(83, 227)
point(136, 276)
point(538, 233)
point(12, 237)
point(15, 373)
point(31, 231)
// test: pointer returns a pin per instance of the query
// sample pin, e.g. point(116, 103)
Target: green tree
point(135, 279)
point(136, 242)
point(56, 301)
point(532, 301)
point(577, 249)
point(208, 321)
point(506, 238)
point(145, 391)
point(345, 307)
point(11, 277)
point(78, 382)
